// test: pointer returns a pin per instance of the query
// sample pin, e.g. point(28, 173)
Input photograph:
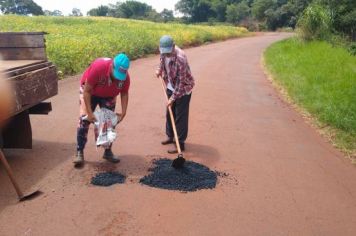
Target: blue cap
point(166, 44)
point(121, 64)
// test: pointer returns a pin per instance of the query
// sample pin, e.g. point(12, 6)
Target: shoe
point(79, 159)
point(167, 141)
point(109, 156)
point(175, 150)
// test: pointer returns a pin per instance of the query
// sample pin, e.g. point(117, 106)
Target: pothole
point(191, 177)
point(108, 178)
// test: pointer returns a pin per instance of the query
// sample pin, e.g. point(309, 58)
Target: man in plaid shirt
point(176, 73)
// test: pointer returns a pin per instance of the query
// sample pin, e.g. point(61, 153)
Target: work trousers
point(180, 110)
point(83, 126)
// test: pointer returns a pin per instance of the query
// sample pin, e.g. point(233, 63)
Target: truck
point(34, 80)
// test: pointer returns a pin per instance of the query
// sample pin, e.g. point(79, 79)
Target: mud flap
point(17, 133)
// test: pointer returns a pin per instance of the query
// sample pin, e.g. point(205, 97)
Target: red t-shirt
point(98, 76)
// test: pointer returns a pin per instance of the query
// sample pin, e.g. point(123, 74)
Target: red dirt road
point(284, 179)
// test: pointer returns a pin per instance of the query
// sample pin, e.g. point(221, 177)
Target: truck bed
point(33, 79)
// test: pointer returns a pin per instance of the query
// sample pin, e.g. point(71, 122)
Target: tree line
point(253, 14)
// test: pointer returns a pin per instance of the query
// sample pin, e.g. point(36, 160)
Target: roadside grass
point(73, 42)
point(321, 80)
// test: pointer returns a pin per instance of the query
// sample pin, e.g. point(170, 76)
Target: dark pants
point(83, 127)
point(180, 110)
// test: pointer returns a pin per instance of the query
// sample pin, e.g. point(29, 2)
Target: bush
point(352, 48)
point(315, 23)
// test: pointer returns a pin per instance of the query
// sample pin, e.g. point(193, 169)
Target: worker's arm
point(88, 89)
point(160, 72)
point(124, 104)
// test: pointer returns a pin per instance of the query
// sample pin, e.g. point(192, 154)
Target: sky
point(66, 6)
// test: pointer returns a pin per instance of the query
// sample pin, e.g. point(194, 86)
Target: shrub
point(315, 23)
point(352, 48)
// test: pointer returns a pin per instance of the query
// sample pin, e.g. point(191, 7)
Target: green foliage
point(315, 23)
point(73, 42)
point(133, 10)
point(167, 15)
point(99, 11)
point(20, 7)
point(322, 79)
point(130, 9)
point(259, 14)
point(259, 7)
point(219, 8)
point(343, 13)
point(76, 12)
point(352, 48)
point(196, 10)
point(237, 12)
point(53, 13)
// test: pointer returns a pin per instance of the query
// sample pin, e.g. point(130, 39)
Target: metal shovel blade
point(30, 195)
point(178, 162)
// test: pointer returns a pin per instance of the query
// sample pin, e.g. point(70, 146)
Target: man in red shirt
point(100, 84)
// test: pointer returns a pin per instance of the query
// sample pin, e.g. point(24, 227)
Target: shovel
point(179, 161)
point(21, 196)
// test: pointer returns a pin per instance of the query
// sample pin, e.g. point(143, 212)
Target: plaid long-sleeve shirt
point(179, 74)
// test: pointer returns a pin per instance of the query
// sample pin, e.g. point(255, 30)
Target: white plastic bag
point(104, 127)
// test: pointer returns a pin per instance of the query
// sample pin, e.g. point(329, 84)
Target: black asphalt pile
point(191, 177)
point(108, 178)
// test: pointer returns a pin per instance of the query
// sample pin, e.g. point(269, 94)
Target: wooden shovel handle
point(10, 174)
point(171, 115)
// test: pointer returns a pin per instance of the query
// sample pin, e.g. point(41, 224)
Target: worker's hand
point(170, 102)
point(158, 73)
point(91, 118)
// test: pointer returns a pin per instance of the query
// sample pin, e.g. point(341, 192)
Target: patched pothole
point(191, 177)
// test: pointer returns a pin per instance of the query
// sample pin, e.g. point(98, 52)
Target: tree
point(237, 12)
point(76, 12)
point(259, 7)
point(343, 14)
point(20, 7)
point(154, 16)
point(219, 8)
point(196, 10)
point(53, 13)
point(167, 15)
point(130, 9)
point(99, 11)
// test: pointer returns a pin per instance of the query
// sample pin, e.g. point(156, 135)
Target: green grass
point(73, 42)
point(321, 79)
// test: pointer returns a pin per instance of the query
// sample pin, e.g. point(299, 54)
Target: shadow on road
point(207, 154)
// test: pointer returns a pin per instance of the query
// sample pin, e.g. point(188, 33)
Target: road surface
point(284, 179)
